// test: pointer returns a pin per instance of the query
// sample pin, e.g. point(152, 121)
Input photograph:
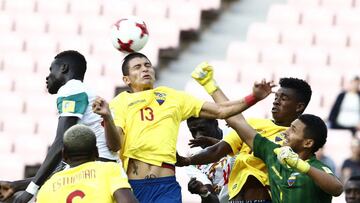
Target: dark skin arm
point(124, 195)
point(208, 155)
point(52, 159)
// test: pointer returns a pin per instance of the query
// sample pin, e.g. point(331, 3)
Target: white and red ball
point(129, 34)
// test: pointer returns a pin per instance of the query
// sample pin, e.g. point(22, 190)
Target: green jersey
point(286, 184)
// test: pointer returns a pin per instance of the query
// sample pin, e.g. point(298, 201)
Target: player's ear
point(126, 80)
point(64, 68)
point(308, 143)
point(300, 107)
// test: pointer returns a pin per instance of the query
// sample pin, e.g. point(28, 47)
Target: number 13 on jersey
point(146, 114)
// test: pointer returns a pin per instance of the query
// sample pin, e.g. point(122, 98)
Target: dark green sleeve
point(263, 148)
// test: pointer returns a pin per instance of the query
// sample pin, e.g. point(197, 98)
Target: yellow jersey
point(150, 121)
point(246, 163)
point(86, 183)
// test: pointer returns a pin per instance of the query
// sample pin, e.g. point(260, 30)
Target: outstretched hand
point(182, 161)
point(262, 89)
point(6, 190)
point(202, 141)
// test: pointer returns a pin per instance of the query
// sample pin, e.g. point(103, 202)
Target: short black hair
point(207, 120)
point(125, 65)
point(302, 88)
point(315, 129)
point(354, 178)
point(75, 60)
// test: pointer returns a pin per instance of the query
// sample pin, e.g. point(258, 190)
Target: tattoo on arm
point(135, 169)
point(150, 176)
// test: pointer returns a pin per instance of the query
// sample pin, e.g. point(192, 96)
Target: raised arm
point(53, 158)
point(113, 134)
point(203, 74)
point(327, 182)
point(208, 155)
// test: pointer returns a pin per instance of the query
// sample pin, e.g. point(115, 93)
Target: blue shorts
point(157, 190)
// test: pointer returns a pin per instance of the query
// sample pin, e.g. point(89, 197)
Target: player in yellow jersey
point(86, 180)
point(248, 179)
point(147, 120)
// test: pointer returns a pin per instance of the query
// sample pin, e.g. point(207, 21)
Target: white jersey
point(215, 174)
point(75, 99)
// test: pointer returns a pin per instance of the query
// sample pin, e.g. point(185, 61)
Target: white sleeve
point(193, 172)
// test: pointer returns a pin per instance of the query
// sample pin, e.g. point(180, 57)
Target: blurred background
point(245, 40)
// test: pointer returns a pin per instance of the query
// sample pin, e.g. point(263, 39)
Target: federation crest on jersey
point(160, 97)
point(68, 106)
point(292, 179)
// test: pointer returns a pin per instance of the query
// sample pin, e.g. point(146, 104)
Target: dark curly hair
point(302, 88)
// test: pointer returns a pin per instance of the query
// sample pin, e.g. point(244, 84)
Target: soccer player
point(352, 189)
point(291, 179)
point(148, 120)
point(208, 180)
point(248, 179)
point(74, 103)
point(86, 179)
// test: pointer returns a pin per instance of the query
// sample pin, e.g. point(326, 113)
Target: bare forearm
point(53, 158)
point(211, 154)
point(112, 134)
point(326, 182)
point(219, 96)
point(242, 128)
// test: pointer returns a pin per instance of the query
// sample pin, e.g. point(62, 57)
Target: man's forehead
point(285, 91)
point(138, 60)
point(352, 185)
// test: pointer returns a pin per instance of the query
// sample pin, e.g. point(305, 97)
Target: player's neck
point(140, 89)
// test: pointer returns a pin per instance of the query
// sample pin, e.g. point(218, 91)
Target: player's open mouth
point(147, 77)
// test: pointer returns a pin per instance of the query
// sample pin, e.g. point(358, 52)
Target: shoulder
point(72, 87)
point(118, 98)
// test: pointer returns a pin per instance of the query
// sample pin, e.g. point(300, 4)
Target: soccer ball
point(129, 34)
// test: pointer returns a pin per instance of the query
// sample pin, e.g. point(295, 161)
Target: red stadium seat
point(55, 8)
point(84, 8)
point(6, 22)
point(276, 55)
point(18, 63)
point(337, 4)
point(297, 36)
point(354, 40)
point(283, 16)
point(330, 38)
point(344, 58)
point(304, 3)
point(348, 19)
point(186, 15)
point(242, 53)
point(13, 166)
point(32, 147)
point(262, 34)
point(154, 10)
point(311, 57)
point(114, 9)
point(315, 18)
point(31, 85)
